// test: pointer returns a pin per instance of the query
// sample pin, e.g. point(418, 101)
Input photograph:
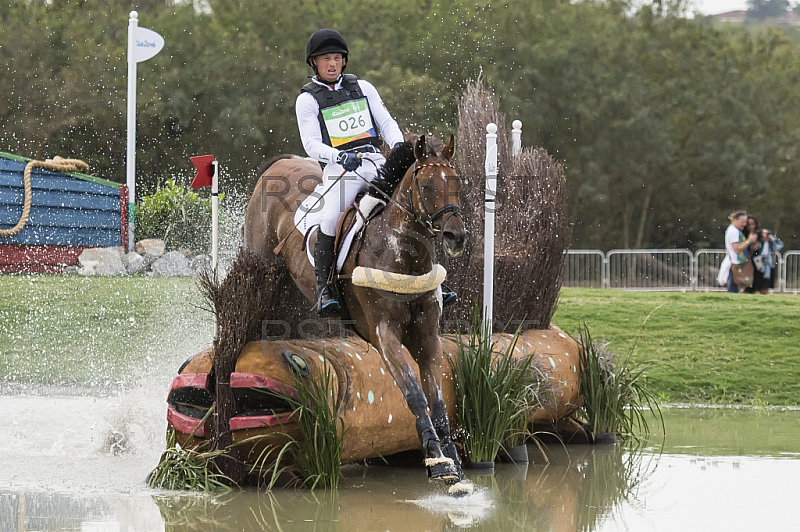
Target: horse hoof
point(442, 469)
point(461, 488)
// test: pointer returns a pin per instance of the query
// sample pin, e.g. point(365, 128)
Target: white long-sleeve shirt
point(307, 110)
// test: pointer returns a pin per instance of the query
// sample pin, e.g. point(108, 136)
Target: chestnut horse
point(400, 240)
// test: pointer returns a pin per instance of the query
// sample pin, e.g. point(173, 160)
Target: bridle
point(426, 218)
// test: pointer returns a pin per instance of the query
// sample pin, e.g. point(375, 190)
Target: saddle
point(350, 224)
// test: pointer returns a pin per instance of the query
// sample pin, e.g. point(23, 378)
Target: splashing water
point(461, 511)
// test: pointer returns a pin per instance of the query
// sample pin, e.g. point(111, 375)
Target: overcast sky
point(714, 7)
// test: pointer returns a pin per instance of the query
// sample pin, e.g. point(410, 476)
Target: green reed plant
point(318, 454)
point(180, 468)
point(493, 391)
point(616, 398)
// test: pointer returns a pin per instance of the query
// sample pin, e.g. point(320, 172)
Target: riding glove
point(349, 161)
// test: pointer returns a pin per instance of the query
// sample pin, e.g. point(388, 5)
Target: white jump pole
point(130, 180)
point(488, 233)
point(215, 216)
point(516, 137)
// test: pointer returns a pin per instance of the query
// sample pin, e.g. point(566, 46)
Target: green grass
point(107, 332)
point(700, 347)
point(62, 330)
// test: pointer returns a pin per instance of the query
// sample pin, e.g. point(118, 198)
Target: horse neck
point(401, 224)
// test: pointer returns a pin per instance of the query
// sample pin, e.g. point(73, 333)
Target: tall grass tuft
point(188, 469)
point(615, 393)
point(494, 393)
point(318, 454)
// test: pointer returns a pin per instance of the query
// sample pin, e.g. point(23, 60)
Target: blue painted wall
point(66, 209)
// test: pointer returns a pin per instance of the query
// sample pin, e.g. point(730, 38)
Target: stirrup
point(327, 305)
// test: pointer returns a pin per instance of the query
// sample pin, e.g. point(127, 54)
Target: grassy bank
point(107, 332)
point(700, 347)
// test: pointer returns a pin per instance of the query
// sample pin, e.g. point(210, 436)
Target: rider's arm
point(386, 124)
point(307, 110)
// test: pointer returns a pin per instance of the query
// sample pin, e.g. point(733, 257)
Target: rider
point(337, 115)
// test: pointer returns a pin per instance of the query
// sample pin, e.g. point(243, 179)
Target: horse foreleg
point(427, 351)
point(387, 341)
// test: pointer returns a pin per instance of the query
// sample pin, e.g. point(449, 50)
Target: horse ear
point(419, 148)
point(450, 149)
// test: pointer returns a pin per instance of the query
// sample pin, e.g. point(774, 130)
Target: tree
point(764, 9)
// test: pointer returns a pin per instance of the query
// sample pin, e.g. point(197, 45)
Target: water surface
point(79, 463)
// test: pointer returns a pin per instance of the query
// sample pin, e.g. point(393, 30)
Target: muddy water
point(79, 462)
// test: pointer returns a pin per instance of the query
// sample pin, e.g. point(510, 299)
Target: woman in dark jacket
point(762, 253)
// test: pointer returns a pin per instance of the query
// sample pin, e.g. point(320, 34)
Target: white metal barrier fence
point(663, 269)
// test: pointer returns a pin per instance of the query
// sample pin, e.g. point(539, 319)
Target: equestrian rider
point(337, 115)
point(340, 117)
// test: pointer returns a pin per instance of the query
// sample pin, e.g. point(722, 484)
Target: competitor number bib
point(348, 121)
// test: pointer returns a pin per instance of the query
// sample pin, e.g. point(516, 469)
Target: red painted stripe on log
point(185, 424)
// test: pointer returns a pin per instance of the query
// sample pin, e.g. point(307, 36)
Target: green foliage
point(666, 121)
point(615, 395)
point(177, 215)
point(494, 393)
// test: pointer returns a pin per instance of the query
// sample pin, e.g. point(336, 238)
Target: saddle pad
point(365, 207)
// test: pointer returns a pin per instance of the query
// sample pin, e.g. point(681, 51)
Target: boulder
point(150, 246)
point(134, 262)
point(200, 263)
point(101, 261)
point(172, 264)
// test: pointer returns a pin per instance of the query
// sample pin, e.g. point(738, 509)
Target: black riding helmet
point(326, 42)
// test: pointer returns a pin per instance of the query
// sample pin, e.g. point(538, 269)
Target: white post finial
point(516, 137)
point(488, 233)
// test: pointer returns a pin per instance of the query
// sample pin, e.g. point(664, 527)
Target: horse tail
point(268, 163)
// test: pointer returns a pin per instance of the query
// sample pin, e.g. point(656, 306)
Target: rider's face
point(329, 66)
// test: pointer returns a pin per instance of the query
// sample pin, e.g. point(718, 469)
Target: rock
point(172, 264)
point(101, 261)
point(134, 262)
point(150, 246)
point(200, 263)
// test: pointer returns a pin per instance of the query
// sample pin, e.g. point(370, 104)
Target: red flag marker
point(205, 170)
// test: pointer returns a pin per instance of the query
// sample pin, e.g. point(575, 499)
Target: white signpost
point(490, 202)
point(490, 196)
point(142, 45)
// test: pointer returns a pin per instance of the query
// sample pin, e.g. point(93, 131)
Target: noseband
point(427, 219)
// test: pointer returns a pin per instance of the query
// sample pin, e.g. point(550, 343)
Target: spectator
point(736, 248)
point(762, 253)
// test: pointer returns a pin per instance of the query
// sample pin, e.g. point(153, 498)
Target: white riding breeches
point(336, 192)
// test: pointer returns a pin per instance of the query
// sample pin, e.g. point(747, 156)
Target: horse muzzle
point(454, 236)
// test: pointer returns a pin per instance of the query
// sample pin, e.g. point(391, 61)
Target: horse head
point(434, 195)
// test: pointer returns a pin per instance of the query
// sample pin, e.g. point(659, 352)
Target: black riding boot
point(327, 304)
point(449, 296)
